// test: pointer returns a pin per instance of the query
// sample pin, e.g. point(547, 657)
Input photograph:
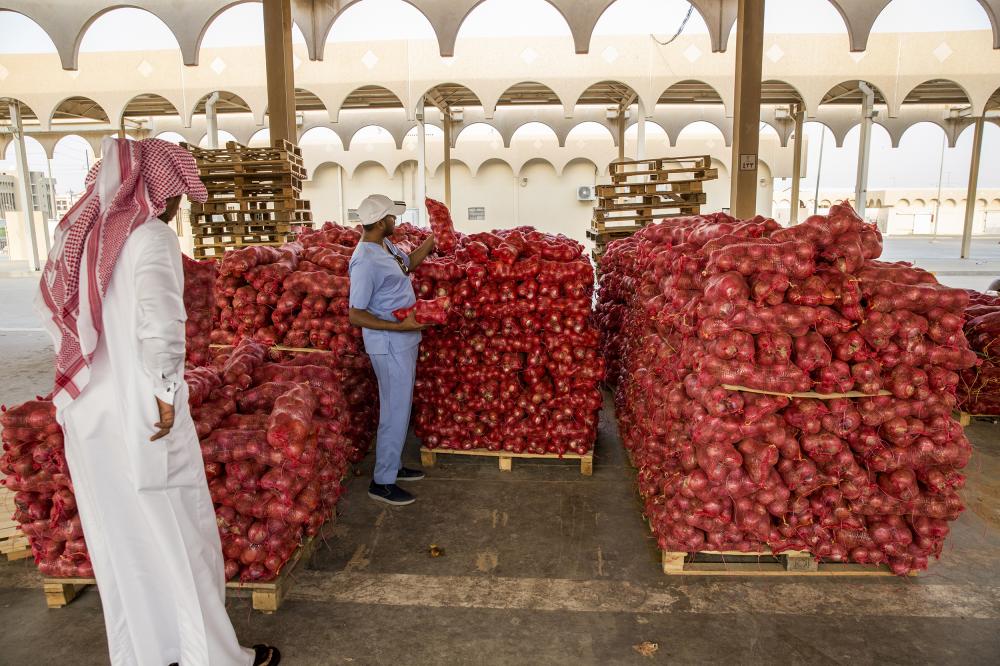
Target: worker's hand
point(410, 323)
point(430, 242)
point(166, 421)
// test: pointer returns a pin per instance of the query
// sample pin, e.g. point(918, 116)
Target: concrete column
point(640, 146)
point(746, 114)
point(343, 201)
point(52, 203)
point(421, 167)
point(970, 196)
point(280, 72)
point(621, 133)
point(796, 166)
point(25, 177)
point(864, 147)
point(447, 157)
point(212, 120)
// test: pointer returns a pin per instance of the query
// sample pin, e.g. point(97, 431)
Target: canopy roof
point(67, 20)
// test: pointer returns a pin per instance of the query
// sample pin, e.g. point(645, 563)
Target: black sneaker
point(407, 474)
point(390, 494)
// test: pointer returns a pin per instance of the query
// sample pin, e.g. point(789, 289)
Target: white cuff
point(167, 392)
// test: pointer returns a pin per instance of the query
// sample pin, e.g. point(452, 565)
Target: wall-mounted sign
point(748, 162)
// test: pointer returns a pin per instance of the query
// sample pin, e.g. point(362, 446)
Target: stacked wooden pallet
point(642, 191)
point(13, 544)
point(254, 197)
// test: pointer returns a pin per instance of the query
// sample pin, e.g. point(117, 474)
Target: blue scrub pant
point(395, 372)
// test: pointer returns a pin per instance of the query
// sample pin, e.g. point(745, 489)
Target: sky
point(916, 163)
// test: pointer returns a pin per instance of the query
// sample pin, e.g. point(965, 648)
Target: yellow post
point(746, 115)
point(280, 72)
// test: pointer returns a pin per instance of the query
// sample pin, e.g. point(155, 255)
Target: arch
point(127, 8)
point(919, 203)
point(594, 129)
point(528, 93)
point(534, 161)
point(995, 204)
point(147, 105)
point(699, 125)
point(849, 92)
point(31, 32)
point(321, 136)
point(172, 137)
point(690, 91)
point(537, 17)
point(369, 133)
point(532, 127)
point(259, 139)
point(229, 102)
point(364, 21)
point(949, 203)
point(439, 170)
point(580, 160)
point(824, 203)
point(776, 91)
point(306, 100)
point(980, 203)
point(27, 113)
point(451, 95)
point(400, 167)
point(225, 137)
point(77, 108)
point(367, 97)
point(199, 38)
point(35, 152)
point(326, 23)
point(990, 7)
point(937, 91)
point(938, 125)
point(486, 128)
point(367, 163)
point(903, 203)
point(493, 160)
point(72, 158)
point(606, 93)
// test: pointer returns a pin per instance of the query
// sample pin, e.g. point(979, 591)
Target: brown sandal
point(266, 655)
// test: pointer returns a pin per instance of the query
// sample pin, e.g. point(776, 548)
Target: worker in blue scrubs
point(380, 283)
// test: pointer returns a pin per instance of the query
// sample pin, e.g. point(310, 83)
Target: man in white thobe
point(112, 298)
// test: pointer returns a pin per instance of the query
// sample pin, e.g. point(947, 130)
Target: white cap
point(377, 206)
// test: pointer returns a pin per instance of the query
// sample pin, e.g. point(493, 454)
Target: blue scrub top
point(379, 286)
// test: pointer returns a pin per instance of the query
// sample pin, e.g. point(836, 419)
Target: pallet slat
point(794, 563)
point(428, 457)
point(265, 597)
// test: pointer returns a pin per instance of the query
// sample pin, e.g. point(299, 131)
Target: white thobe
point(145, 507)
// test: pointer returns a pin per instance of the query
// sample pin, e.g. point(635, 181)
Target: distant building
point(65, 201)
point(42, 193)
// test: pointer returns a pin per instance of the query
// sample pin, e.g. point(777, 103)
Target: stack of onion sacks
point(719, 302)
point(513, 364)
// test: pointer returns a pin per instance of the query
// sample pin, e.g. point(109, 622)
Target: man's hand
point(411, 324)
point(166, 421)
point(430, 242)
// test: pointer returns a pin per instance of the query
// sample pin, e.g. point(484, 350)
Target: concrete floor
point(543, 566)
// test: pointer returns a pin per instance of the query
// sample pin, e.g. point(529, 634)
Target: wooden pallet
point(428, 457)
point(660, 200)
point(265, 597)
point(646, 188)
point(14, 545)
point(788, 563)
point(252, 216)
point(965, 418)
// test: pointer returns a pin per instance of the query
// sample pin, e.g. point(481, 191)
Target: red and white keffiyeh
point(129, 187)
